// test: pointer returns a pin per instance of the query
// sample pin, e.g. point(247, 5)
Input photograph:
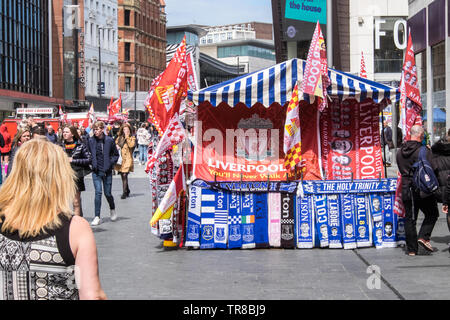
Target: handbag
point(119, 161)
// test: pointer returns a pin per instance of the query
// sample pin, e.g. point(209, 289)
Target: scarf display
point(193, 217)
point(363, 222)
point(305, 222)
point(348, 220)
point(249, 186)
point(248, 220)
point(376, 202)
point(234, 221)
point(389, 226)
point(287, 220)
point(334, 222)
point(274, 202)
point(221, 220)
point(320, 208)
point(261, 222)
point(207, 219)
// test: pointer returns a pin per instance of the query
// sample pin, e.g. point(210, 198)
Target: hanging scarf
point(305, 222)
point(401, 236)
point(320, 205)
point(334, 222)
point(274, 201)
point(193, 219)
point(389, 226)
point(261, 221)
point(207, 219)
point(221, 220)
point(348, 214)
point(248, 221)
point(234, 221)
point(287, 220)
point(363, 222)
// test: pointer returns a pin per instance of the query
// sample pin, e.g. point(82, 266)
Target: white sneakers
point(113, 215)
point(96, 221)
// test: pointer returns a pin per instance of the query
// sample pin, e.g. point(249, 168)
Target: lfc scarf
point(305, 222)
point(221, 220)
point(234, 221)
point(287, 220)
point(274, 202)
point(389, 226)
point(193, 220)
point(334, 222)
point(320, 205)
point(363, 222)
point(207, 219)
point(248, 221)
point(348, 220)
point(261, 222)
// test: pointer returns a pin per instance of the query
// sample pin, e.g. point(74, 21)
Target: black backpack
point(424, 180)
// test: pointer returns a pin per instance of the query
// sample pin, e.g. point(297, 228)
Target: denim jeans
point(142, 153)
point(105, 179)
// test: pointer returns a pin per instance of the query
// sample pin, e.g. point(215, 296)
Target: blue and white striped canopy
point(275, 84)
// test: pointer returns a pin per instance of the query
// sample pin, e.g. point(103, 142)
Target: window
point(126, 18)
point(388, 58)
point(127, 84)
point(127, 51)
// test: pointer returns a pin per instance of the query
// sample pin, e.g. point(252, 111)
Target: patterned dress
point(38, 268)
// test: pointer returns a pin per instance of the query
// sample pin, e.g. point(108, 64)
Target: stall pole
point(384, 147)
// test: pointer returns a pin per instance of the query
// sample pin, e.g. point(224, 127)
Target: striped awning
point(275, 84)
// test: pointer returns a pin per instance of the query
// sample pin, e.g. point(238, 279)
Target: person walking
point(22, 136)
point(104, 156)
point(441, 160)
point(51, 136)
point(143, 138)
point(412, 200)
point(43, 247)
point(125, 143)
point(6, 148)
point(80, 159)
point(387, 143)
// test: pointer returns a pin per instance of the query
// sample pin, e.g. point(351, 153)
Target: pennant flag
point(91, 114)
point(114, 107)
point(175, 134)
point(362, 70)
point(168, 90)
point(292, 133)
point(60, 111)
point(315, 76)
point(165, 208)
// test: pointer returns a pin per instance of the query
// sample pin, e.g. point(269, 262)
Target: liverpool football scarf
point(320, 205)
point(287, 220)
point(348, 220)
point(261, 222)
point(363, 222)
point(248, 220)
point(207, 226)
point(274, 202)
point(334, 222)
point(389, 227)
point(234, 221)
point(193, 220)
point(221, 220)
point(305, 222)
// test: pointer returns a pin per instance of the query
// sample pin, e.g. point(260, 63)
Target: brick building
point(141, 43)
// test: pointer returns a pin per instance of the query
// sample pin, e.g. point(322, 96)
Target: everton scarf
point(274, 202)
point(400, 236)
point(305, 222)
point(193, 220)
point(334, 223)
point(221, 220)
point(207, 219)
point(261, 222)
point(378, 233)
point(287, 221)
point(376, 209)
point(363, 222)
point(389, 227)
point(320, 205)
point(348, 220)
point(247, 221)
point(234, 221)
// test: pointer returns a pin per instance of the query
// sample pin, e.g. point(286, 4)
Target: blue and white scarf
point(334, 222)
point(321, 210)
point(389, 226)
point(305, 222)
point(287, 220)
point(221, 220)
point(376, 206)
point(348, 220)
point(261, 220)
point(378, 233)
point(363, 222)
point(401, 236)
point(207, 226)
point(234, 221)
point(248, 221)
point(193, 217)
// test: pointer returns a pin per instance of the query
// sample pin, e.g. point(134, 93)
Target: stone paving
point(133, 264)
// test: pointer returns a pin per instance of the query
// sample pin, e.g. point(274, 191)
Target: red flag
point(362, 70)
point(167, 90)
point(115, 107)
point(292, 133)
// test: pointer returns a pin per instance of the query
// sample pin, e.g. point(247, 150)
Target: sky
point(217, 12)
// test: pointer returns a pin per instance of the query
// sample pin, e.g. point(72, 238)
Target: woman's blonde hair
point(40, 187)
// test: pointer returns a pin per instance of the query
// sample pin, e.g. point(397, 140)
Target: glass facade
point(247, 50)
point(177, 37)
point(24, 46)
point(388, 58)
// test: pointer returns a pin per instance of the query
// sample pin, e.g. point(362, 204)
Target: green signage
point(307, 10)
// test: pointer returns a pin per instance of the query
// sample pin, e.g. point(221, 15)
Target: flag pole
point(384, 140)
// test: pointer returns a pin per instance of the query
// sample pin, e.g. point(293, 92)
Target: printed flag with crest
point(362, 70)
point(292, 133)
point(115, 107)
point(167, 90)
point(91, 114)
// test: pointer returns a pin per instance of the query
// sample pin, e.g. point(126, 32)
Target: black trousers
point(430, 209)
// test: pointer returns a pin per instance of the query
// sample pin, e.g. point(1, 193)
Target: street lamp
point(100, 88)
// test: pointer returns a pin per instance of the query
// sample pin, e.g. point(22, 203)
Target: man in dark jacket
point(104, 156)
point(412, 200)
point(441, 160)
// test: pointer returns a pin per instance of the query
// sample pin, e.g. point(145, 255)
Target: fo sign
point(381, 26)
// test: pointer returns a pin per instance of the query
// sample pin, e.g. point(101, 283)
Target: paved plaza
point(133, 264)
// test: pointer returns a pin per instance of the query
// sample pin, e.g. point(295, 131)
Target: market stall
point(242, 196)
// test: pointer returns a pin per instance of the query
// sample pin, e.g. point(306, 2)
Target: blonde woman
point(125, 143)
point(43, 246)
